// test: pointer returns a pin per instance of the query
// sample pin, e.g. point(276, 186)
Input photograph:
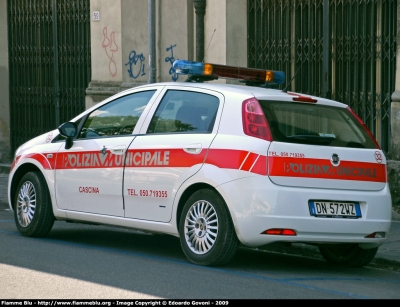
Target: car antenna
point(209, 44)
point(295, 74)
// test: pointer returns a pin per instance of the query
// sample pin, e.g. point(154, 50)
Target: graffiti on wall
point(136, 64)
point(171, 59)
point(110, 47)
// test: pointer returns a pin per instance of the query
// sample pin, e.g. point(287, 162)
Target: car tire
point(206, 230)
point(33, 211)
point(348, 255)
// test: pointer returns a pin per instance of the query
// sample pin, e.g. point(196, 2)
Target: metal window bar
point(31, 58)
point(359, 58)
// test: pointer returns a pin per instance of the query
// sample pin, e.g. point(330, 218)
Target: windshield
point(312, 124)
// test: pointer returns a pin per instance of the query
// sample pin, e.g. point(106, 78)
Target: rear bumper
point(256, 204)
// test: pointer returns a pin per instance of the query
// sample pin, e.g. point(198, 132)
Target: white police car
point(216, 165)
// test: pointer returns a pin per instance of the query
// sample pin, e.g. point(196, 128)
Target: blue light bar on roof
point(188, 68)
point(231, 72)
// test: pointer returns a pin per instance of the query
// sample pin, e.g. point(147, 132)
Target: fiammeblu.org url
point(73, 303)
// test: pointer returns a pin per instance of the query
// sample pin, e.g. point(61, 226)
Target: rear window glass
point(315, 125)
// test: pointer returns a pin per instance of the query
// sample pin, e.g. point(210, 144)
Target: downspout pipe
point(200, 10)
point(152, 41)
point(325, 51)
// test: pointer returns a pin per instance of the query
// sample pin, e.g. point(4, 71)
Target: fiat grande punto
point(216, 165)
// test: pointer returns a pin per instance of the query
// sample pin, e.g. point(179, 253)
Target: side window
point(185, 112)
point(118, 117)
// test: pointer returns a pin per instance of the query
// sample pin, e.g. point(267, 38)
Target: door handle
point(193, 148)
point(118, 150)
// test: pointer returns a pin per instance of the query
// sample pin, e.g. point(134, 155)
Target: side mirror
point(69, 131)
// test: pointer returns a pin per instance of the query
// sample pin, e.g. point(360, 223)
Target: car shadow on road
point(155, 264)
point(168, 248)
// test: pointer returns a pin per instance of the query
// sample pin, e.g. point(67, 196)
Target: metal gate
point(340, 49)
point(49, 64)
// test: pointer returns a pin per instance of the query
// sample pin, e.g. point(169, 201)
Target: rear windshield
point(315, 125)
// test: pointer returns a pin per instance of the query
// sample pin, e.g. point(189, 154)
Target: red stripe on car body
point(222, 158)
point(323, 169)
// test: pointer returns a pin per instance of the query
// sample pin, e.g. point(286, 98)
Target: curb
point(4, 206)
point(309, 251)
point(5, 168)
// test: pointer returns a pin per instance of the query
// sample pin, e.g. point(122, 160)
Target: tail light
point(379, 235)
point(279, 232)
point(254, 121)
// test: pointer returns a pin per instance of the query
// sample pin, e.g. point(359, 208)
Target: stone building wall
point(4, 87)
point(394, 153)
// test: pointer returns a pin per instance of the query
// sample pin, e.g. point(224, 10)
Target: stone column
point(200, 7)
point(394, 153)
point(5, 151)
point(120, 45)
point(226, 34)
point(105, 34)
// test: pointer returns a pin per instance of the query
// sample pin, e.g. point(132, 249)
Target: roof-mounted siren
point(200, 72)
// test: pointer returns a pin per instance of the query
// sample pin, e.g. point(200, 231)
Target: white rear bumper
point(256, 205)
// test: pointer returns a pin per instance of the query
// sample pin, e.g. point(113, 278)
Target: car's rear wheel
point(349, 255)
point(206, 230)
point(33, 212)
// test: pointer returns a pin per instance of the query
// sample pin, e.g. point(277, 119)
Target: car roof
point(258, 92)
point(225, 89)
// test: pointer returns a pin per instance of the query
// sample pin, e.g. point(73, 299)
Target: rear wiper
point(352, 144)
point(315, 138)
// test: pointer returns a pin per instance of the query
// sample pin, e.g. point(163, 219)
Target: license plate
point(325, 208)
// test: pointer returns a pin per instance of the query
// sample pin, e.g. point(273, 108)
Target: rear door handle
point(193, 148)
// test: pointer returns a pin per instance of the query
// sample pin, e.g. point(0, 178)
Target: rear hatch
point(322, 146)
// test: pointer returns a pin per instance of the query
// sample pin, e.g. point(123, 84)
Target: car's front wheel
point(349, 255)
point(206, 230)
point(33, 212)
